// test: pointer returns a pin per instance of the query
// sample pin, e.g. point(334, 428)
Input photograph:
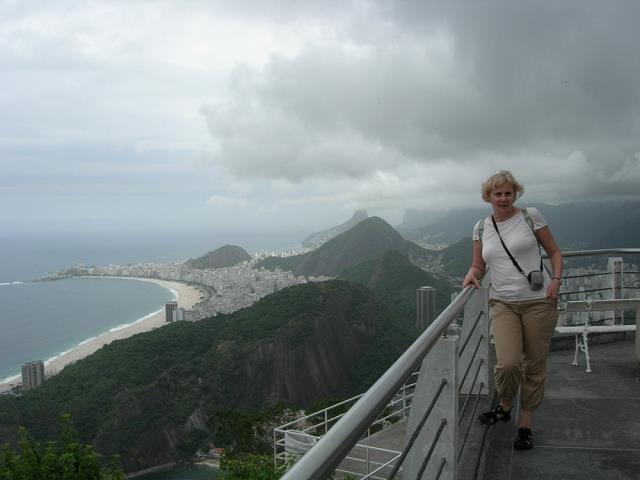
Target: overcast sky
point(256, 115)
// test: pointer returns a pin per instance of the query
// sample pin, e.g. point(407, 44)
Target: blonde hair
point(500, 178)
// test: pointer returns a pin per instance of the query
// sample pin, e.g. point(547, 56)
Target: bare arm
point(478, 267)
point(555, 256)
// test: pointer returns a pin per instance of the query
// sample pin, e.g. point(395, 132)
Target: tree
point(248, 466)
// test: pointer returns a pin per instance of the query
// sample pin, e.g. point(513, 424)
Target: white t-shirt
point(507, 283)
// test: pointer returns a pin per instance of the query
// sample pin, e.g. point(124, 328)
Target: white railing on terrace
point(293, 439)
point(455, 373)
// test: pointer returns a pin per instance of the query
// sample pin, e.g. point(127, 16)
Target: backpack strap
point(480, 230)
point(529, 221)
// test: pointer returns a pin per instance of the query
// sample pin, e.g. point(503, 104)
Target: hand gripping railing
point(323, 458)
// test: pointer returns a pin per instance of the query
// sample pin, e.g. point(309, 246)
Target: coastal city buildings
point(32, 375)
point(224, 290)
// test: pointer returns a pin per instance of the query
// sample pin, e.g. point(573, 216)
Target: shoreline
point(211, 463)
point(186, 295)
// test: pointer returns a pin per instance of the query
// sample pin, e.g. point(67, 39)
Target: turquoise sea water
point(40, 320)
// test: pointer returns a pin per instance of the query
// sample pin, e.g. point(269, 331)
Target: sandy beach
point(186, 296)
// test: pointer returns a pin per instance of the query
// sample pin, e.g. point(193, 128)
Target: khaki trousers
point(522, 333)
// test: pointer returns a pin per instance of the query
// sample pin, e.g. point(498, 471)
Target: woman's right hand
point(471, 278)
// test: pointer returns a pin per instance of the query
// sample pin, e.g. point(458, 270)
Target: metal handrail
point(323, 458)
point(596, 253)
point(330, 450)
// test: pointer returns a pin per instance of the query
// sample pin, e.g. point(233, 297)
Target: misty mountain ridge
point(574, 225)
point(317, 239)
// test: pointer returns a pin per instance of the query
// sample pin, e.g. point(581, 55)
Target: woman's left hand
point(553, 288)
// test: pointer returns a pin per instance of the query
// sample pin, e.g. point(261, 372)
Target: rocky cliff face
point(311, 357)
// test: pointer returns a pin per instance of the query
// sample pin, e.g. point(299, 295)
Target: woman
point(523, 313)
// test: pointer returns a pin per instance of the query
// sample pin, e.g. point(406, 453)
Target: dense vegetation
point(456, 258)
point(223, 257)
point(394, 280)
point(160, 396)
point(63, 459)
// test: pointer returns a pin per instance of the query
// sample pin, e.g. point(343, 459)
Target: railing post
point(404, 401)
point(275, 449)
point(326, 421)
point(368, 461)
point(439, 363)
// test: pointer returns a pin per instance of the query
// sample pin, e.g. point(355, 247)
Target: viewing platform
point(419, 420)
point(587, 427)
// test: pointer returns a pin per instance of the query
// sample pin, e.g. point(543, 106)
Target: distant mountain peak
point(369, 238)
point(317, 239)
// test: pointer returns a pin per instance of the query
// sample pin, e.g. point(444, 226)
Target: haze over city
point(280, 115)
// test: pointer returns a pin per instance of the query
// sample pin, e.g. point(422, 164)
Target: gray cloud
point(483, 83)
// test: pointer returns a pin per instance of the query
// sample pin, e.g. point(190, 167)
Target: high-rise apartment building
point(170, 311)
point(32, 375)
point(425, 307)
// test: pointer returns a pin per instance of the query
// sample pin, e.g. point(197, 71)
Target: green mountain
point(223, 257)
point(316, 239)
point(369, 239)
point(394, 280)
point(156, 397)
point(456, 258)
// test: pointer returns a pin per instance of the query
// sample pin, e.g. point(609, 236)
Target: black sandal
point(498, 414)
point(524, 439)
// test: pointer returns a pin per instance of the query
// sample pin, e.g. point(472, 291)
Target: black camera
point(536, 279)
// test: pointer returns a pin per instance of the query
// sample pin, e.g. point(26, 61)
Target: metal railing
point(435, 417)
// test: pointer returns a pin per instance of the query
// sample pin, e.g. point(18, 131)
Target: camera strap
point(515, 263)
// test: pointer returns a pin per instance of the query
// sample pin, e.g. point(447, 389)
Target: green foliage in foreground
point(248, 466)
point(64, 459)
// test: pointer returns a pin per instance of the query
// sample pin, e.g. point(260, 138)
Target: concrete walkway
point(587, 428)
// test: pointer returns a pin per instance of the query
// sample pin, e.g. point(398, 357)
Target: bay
point(40, 320)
